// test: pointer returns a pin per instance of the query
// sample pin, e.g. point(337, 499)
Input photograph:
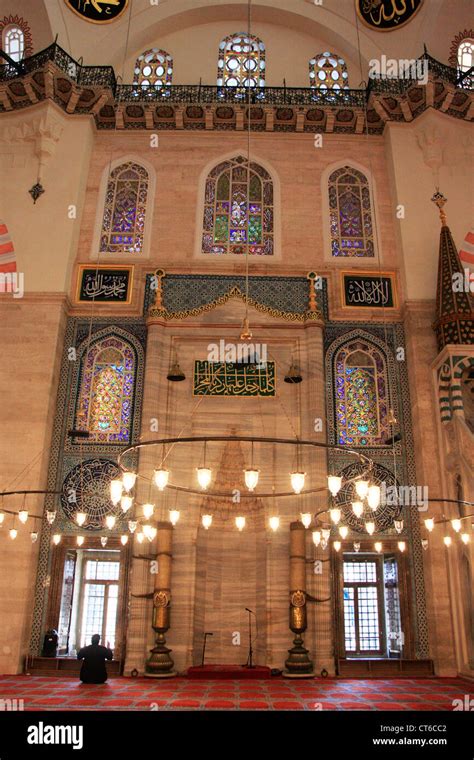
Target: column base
point(298, 664)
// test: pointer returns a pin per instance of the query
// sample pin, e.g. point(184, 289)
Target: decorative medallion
point(98, 11)
point(86, 488)
point(387, 15)
point(161, 599)
point(385, 514)
point(298, 599)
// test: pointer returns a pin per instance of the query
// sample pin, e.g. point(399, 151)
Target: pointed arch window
point(14, 42)
point(126, 197)
point(241, 61)
point(327, 71)
point(361, 395)
point(105, 401)
point(153, 68)
point(350, 213)
point(230, 222)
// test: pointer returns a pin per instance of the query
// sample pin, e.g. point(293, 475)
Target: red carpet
point(226, 672)
point(43, 693)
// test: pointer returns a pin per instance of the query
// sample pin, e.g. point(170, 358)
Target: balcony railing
point(104, 76)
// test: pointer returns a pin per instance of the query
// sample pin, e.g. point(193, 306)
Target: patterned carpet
point(40, 693)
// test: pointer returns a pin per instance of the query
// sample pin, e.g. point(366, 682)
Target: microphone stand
point(204, 647)
point(249, 663)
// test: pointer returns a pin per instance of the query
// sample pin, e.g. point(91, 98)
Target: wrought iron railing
point(104, 76)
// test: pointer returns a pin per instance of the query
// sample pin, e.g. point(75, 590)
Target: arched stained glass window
point(154, 67)
point(241, 61)
point(361, 395)
point(124, 213)
point(14, 42)
point(328, 71)
point(230, 223)
point(105, 400)
point(350, 213)
point(466, 60)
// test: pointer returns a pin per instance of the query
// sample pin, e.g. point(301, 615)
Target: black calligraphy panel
point(98, 11)
point(105, 285)
point(386, 15)
point(374, 291)
point(229, 379)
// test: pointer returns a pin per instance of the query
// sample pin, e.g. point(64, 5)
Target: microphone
point(247, 610)
point(208, 633)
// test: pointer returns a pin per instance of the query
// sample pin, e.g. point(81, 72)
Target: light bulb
point(110, 521)
point(240, 522)
point(149, 531)
point(81, 517)
point(128, 480)
point(343, 531)
point(337, 546)
point(324, 543)
point(103, 541)
point(126, 503)
point(334, 484)
point(50, 517)
point(306, 519)
point(297, 481)
point(124, 540)
point(80, 540)
point(429, 524)
point(457, 525)
point(398, 525)
point(370, 527)
point(251, 478)
point(378, 546)
point(358, 508)
point(362, 488)
point(316, 537)
point(447, 541)
point(132, 525)
point(402, 546)
point(274, 523)
point(356, 546)
point(2, 518)
point(148, 510)
point(33, 536)
point(335, 515)
point(161, 477)
point(13, 533)
point(424, 543)
point(206, 521)
point(23, 516)
point(56, 539)
point(204, 475)
point(116, 488)
point(373, 497)
point(174, 516)
point(325, 533)
point(465, 538)
point(140, 537)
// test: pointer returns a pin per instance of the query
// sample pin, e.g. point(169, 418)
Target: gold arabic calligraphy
point(227, 379)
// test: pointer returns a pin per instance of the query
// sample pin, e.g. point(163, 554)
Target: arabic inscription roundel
point(98, 11)
point(86, 488)
point(387, 15)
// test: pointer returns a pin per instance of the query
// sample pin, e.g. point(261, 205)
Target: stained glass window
point(241, 61)
point(124, 213)
point(230, 223)
point(362, 402)
point(105, 402)
point(350, 213)
point(328, 71)
point(14, 42)
point(466, 60)
point(154, 67)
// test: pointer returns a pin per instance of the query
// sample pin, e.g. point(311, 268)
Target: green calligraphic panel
point(227, 379)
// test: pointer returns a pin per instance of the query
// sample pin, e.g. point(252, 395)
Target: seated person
point(93, 668)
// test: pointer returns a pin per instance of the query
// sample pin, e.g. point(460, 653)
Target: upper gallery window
point(154, 67)
point(466, 60)
point(350, 213)
point(230, 222)
point(14, 42)
point(105, 401)
point(328, 72)
point(362, 401)
point(241, 61)
point(125, 206)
